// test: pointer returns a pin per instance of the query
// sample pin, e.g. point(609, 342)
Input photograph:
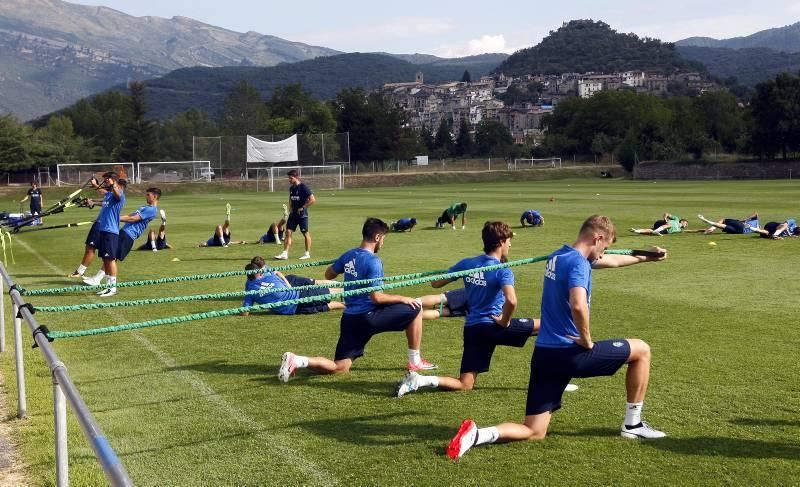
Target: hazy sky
point(458, 28)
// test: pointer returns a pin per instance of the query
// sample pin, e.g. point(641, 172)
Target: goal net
point(174, 172)
point(533, 163)
point(78, 174)
point(317, 177)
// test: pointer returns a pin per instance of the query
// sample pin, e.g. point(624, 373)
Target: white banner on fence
point(263, 151)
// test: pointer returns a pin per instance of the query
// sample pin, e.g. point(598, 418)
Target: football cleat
point(641, 431)
point(106, 293)
point(409, 384)
point(422, 365)
point(463, 440)
point(287, 367)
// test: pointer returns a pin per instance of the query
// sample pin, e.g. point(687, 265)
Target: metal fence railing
point(63, 391)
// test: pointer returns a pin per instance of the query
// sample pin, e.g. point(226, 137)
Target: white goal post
point(78, 173)
point(530, 163)
point(174, 171)
point(318, 177)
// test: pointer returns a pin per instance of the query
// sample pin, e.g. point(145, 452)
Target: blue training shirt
point(298, 195)
point(270, 281)
point(108, 219)
point(531, 216)
point(136, 229)
point(566, 268)
point(357, 264)
point(484, 289)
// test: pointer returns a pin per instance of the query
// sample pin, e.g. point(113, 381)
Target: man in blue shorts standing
point(565, 349)
point(532, 218)
point(365, 315)
point(492, 301)
point(37, 200)
point(269, 280)
point(300, 198)
point(104, 234)
point(135, 225)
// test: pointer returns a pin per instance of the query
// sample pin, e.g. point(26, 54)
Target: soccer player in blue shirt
point(300, 198)
point(403, 225)
point(37, 200)
point(276, 230)
point(135, 225)
point(104, 233)
point(532, 218)
point(222, 233)
point(268, 280)
point(492, 301)
point(157, 241)
point(565, 348)
point(448, 304)
point(732, 225)
point(365, 315)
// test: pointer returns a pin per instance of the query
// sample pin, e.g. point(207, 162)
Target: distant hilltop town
point(475, 101)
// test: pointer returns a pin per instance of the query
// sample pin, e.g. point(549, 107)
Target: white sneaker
point(92, 281)
point(285, 211)
point(163, 217)
point(278, 241)
point(282, 256)
point(305, 256)
point(105, 293)
point(409, 384)
point(463, 440)
point(641, 431)
point(287, 367)
point(155, 250)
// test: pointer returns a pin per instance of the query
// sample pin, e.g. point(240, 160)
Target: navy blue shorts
point(161, 244)
point(107, 245)
point(269, 237)
point(313, 307)
point(296, 220)
point(124, 246)
point(457, 302)
point(355, 331)
point(733, 226)
point(93, 238)
point(36, 209)
point(553, 368)
point(215, 241)
point(481, 340)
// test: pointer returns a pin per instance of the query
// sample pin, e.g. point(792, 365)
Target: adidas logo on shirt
point(477, 279)
point(350, 268)
point(550, 268)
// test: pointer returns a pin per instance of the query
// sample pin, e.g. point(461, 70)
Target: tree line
point(622, 125)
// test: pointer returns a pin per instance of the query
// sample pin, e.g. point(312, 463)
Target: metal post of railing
point(2, 317)
point(22, 405)
point(60, 416)
point(112, 467)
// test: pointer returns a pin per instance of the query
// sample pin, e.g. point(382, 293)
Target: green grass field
point(200, 404)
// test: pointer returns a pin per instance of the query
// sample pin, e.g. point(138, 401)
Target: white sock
point(99, 276)
point(300, 362)
point(633, 413)
point(81, 269)
point(487, 435)
point(414, 356)
point(153, 244)
point(427, 381)
point(112, 280)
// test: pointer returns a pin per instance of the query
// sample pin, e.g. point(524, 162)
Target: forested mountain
point(785, 39)
point(324, 77)
point(582, 46)
point(749, 66)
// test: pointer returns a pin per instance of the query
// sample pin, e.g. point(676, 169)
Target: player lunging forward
point(365, 315)
point(565, 348)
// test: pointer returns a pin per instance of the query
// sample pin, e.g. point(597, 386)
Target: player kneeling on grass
point(492, 301)
point(403, 225)
point(532, 218)
point(565, 349)
point(276, 230)
point(268, 280)
point(222, 234)
point(365, 315)
point(157, 241)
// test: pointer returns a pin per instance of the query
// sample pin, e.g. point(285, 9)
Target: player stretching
point(565, 349)
point(667, 225)
point(492, 301)
point(403, 225)
point(532, 218)
point(104, 234)
point(268, 279)
point(276, 230)
point(365, 315)
point(450, 214)
point(222, 234)
point(135, 225)
point(451, 303)
point(300, 198)
point(733, 226)
point(157, 241)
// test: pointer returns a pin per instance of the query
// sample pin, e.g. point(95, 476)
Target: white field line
point(273, 444)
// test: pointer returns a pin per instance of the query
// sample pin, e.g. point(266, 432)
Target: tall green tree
point(466, 77)
point(492, 138)
point(13, 145)
point(138, 136)
point(463, 146)
point(443, 140)
point(175, 136)
point(776, 116)
point(378, 130)
point(243, 112)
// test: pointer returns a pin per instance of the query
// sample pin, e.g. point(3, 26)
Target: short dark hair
point(123, 182)
point(796, 231)
point(252, 267)
point(154, 191)
point(413, 221)
point(493, 234)
point(110, 175)
point(292, 173)
point(464, 206)
point(373, 227)
point(259, 261)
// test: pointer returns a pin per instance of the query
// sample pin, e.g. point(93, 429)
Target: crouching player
point(365, 315)
point(492, 301)
point(532, 218)
point(271, 281)
point(565, 349)
point(403, 225)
